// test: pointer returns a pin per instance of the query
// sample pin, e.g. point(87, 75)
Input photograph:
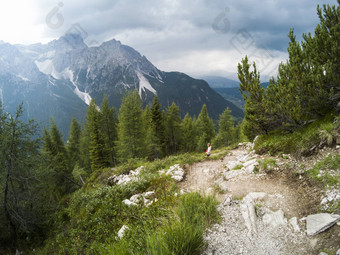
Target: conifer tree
point(98, 150)
point(57, 161)
point(73, 142)
point(157, 125)
point(84, 149)
point(21, 211)
point(254, 96)
point(205, 129)
point(109, 129)
point(226, 133)
point(131, 134)
point(188, 142)
point(173, 128)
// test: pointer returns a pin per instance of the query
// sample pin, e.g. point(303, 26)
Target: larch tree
point(226, 132)
point(204, 129)
point(109, 129)
point(131, 133)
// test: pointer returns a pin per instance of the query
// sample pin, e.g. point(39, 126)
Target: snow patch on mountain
point(47, 67)
point(83, 96)
point(23, 78)
point(68, 74)
point(144, 84)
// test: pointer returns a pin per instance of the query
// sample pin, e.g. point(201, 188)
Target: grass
point(301, 141)
point(268, 165)
point(330, 163)
point(237, 167)
point(88, 221)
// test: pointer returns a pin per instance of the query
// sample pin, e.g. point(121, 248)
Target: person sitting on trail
point(208, 151)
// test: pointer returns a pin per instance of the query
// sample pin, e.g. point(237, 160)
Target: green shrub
point(300, 142)
point(268, 164)
point(331, 162)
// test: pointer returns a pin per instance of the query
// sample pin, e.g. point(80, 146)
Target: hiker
point(208, 151)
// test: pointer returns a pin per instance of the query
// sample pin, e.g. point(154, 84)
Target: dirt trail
point(293, 196)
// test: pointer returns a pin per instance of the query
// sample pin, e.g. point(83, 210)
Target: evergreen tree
point(109, 129)
point(84, 149)
point(188, 142)
point(226, 132)
point(73, 142)
point(131, 134)
point(98, 150)
point(157, 125)
point(307, 86)
point(205, 129)
point(22, 211)
point(173, 128)
point(57, 162)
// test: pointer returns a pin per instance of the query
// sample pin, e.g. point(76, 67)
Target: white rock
point(149, 193)
point(338, 252)
point(249, 169)
point(128, 202)
point(231, 164)
point(135, 198)
point(227, 200)
point(294, 224)
point(248, 214)
point(224, 186)
point(274, 218)
point(231, 174)
point(251, 162)
point(318, 223)
point(323, 253)
point(122, 231)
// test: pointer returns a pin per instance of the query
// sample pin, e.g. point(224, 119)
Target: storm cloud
point(197, 37)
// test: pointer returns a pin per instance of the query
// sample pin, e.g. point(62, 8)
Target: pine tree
point(21, 211)
point(98, 150)
point(73, 142)
point(84, 149)
point(205, 129)
point(188, 142)
point(254, 96)
point(226, 132)
point(57, 162)
point(157, 125)
point(173, 128)
point(109, 129)
point(131, 134)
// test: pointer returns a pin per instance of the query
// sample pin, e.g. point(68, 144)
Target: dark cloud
point(170, 29)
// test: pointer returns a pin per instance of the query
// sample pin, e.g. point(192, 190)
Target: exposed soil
point(286, 189)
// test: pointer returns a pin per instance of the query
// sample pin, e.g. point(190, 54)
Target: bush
point(299, 143)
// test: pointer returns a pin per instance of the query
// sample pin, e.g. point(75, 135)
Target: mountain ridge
point(66, 66)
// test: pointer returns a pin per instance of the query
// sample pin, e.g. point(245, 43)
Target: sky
point(197, 37)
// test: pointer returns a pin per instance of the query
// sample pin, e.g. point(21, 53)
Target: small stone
point(224, 186)
point(294, 224)
point(338, 252)
point(228, 200)
point(122, 230)
point(323, 253)
point(274, 218)
point(128, 202)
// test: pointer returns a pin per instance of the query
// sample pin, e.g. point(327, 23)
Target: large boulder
point(318, 223)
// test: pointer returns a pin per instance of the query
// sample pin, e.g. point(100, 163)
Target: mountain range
point(61, 77)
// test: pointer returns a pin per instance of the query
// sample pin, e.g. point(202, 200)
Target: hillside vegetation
point(113, 187)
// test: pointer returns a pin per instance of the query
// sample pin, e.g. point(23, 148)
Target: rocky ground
point(265, 211)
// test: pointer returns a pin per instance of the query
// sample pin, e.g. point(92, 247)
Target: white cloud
point(173, 34)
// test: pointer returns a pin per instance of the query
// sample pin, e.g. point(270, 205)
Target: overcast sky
point(198, 37)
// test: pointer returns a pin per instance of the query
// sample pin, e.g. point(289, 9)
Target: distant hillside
point(220, 82)
point(233, 94)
